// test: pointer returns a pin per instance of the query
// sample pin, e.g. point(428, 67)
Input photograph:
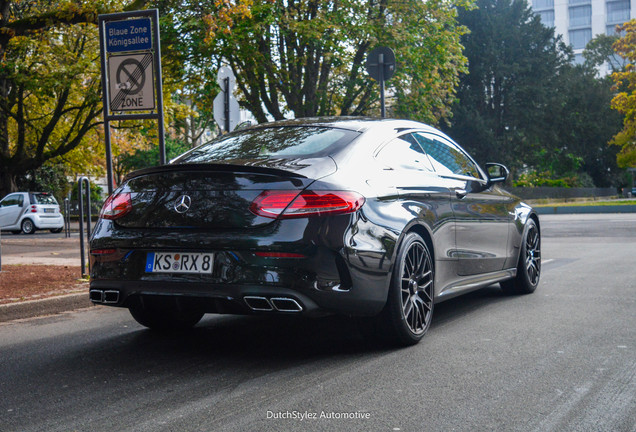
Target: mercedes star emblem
point(182, 204)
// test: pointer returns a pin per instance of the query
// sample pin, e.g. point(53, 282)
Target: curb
point(41, 307)
point(586, 209)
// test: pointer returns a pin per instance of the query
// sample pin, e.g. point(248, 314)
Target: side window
point(11, 200)
point(445, 157)
point(404, 153)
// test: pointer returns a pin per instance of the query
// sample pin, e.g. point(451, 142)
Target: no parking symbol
point(130, 79)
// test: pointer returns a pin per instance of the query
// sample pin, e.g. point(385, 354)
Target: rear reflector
point(103, 251)
point(278, 255)
point(291, 204)
point(116, 206)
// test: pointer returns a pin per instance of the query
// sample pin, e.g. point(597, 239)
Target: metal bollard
point(80, 191)
point(67, 218)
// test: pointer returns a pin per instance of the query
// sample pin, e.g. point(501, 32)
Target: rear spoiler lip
point(211, 167)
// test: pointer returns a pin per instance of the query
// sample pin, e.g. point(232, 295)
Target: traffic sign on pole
point(226, 72)
point(226, 107)
point(220, 112)
point(128, 35)
point(381, 67)
point(130, 52)
point(130, 79)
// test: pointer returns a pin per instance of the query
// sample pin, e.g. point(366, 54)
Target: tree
point(49, 81)
point(625, 100)
point(525, 104)
point(189, 67)
point(47, 178)
point(583, 124)
point(306, 58)
point(600, 50)
point(146, 158)
point(505, 99)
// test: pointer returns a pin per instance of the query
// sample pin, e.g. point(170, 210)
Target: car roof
point(358, 124)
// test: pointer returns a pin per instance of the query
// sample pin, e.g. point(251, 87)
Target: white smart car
point(30, 211)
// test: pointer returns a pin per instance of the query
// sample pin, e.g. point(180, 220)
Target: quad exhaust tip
point(280, 304)
point(106, 297)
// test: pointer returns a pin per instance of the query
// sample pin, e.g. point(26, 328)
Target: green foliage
point(523, 100)
point(555, 169)
point(581, 123)
point(150, 157)
point(306, 57)
point(47, 178)
point(513, 65)
point(600, 50)
point(536, 179)
point(96, 193)
point(49, 81)
point(625, 100)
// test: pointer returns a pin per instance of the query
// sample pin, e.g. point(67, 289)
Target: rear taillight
point(291, 204)
point(34, 209)
point(103, 251)
point(116, 206)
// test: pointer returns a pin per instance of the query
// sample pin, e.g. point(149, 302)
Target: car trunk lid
point(210, 196)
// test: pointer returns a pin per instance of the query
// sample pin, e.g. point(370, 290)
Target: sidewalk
point(43, 307)
point(42, 250)
point(50, 250)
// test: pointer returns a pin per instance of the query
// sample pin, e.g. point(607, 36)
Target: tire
point(529, 266)
point(409, 309)
point(56, 230)
point(164, 314)
point(28, 227)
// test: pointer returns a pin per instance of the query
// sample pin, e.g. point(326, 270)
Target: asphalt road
point(561, 359)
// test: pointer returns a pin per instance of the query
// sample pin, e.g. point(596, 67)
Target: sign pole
point(381, 66)
point(106, 109)
point(159, 84)
point(226, 108)
point(130, 50)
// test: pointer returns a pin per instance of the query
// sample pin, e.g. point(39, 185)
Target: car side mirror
point(497, 173)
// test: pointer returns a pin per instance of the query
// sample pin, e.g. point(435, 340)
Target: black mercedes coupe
point(360, 217)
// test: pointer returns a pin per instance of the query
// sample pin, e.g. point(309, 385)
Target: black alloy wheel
point(529, 267)
point(409, 309)
point(28, 227)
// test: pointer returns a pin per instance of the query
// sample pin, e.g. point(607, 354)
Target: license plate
point(49, 210)
point(179, 262)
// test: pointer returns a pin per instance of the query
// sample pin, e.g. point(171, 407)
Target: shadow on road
point(280, 338)
point(122, 363)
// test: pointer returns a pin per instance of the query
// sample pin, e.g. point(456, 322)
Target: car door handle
point(460, 193)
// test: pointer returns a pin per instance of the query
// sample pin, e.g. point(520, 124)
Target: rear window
point(274, 142)
point(43, 198)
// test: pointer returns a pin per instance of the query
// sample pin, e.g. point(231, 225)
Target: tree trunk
point(7, 183)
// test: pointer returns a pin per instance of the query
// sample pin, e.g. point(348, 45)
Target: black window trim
point(483, 180)
point(403, 132)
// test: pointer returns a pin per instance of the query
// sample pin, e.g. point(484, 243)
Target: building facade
point(580, 20)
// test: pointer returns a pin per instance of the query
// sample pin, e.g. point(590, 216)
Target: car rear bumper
point(311, 265)
point(240, 299)
point(47, 221)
